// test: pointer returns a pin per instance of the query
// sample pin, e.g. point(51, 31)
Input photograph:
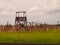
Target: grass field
point(42, 37)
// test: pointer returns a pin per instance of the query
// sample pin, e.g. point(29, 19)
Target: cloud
point(6, 8)
point(36, 9)
point(33, 9)
point(54, 11)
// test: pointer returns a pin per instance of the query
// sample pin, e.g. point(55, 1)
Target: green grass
point(42, 37)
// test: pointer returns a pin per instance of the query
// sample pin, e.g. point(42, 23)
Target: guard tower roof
point(21, 12)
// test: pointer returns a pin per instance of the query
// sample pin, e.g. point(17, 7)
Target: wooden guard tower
point(21, 21)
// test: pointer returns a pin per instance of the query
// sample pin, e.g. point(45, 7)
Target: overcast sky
point(37, 10)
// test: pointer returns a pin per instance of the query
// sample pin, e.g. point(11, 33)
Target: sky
point(37, 10)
